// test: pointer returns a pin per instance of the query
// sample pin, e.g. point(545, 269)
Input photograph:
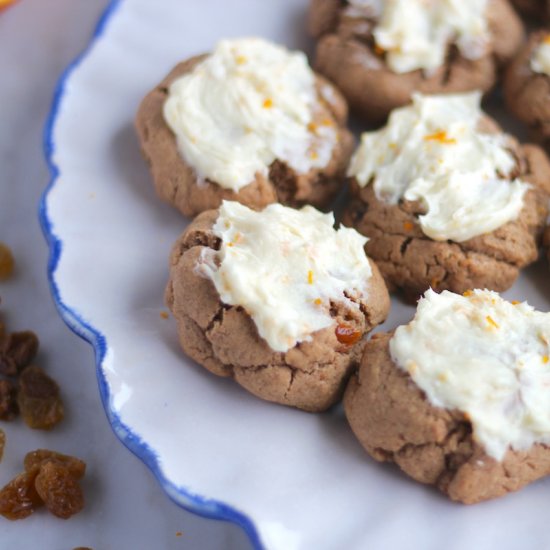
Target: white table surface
point(125, 506)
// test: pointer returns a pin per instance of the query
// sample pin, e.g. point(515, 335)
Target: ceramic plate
point(292, 480)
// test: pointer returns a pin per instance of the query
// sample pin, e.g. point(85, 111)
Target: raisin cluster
point(49, 479)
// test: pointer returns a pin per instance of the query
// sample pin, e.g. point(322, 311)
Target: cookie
point(448, 201)
point(380, 53)
point(278, 299)
point(458, 398)
point(527, 85)
point(250, 122)
point(533, 8)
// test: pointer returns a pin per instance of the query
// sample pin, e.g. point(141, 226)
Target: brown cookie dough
point(533, 8)
point(394, 422)
point(527, 93)
point(224, 338)
point(346, 54)
point(411, 261)
point(546, 242)
point(176, 182)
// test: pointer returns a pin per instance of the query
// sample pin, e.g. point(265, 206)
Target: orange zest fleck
point(240, 60)
point(312, 127)
point(317, 301)
point(346, 334)
point(268, 103)
point(546, 39)
point(412, 367)
point(392, 145)
point(313, 154)
point(327, 122)
point(467, 293)
point(491, 321)
point(179, 533)
point(310, 277)
point(434, 282)
point(515, 302)
point(378, 50)
point(441, 137)
point(545, 359)
point(408, 226)
point(5, 3)
point(164, 315)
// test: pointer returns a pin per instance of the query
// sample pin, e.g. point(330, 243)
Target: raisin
point(2, 444)
point(7, 262)
point(38, 399)
point(59, 490)
point(19, 498)
point(76, 467)
point(8, 400)
point(346, 334)
point(17, 351)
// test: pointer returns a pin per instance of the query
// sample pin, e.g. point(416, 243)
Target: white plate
point(293, 480)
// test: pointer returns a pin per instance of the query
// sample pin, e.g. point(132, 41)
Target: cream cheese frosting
point(433, 152)
point(248, 103)
point(540, 58)
point(415, 34)
point(284, 267)
point(485, 357)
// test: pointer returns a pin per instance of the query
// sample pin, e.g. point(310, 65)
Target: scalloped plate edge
point(197, 504)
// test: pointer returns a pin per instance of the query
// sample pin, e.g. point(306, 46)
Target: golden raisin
point(17, 350)
point(59, 490)
point(7, 263)
point(346, 334)
point(19, 498)
point(39, 399)
point(35, 459)
point(8, 400)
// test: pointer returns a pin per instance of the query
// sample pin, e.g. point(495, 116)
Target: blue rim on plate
point(191, 502)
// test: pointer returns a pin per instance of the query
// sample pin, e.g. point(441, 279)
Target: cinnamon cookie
point(249, 122)
point(448, 201)
point(527, 85)
point(380, 52)
point(533, 8)
point(278, 299)
point(459, 398)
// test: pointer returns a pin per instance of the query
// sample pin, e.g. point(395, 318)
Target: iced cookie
point(278, 299)
point(378, 52)
point(527, 85)
point(460, 397)
point(448, 201)
point(249, 122)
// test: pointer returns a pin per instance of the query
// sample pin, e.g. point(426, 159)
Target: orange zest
point(491, 321)
point(268, 103)
point(441, 137)
point(310, 277)
point(408, 226)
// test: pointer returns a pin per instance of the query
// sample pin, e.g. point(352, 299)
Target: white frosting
point(540, 58)
point(416, 33)
point(432, 152)
point(248, 103)
point(485, 357)
point(284, 267)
